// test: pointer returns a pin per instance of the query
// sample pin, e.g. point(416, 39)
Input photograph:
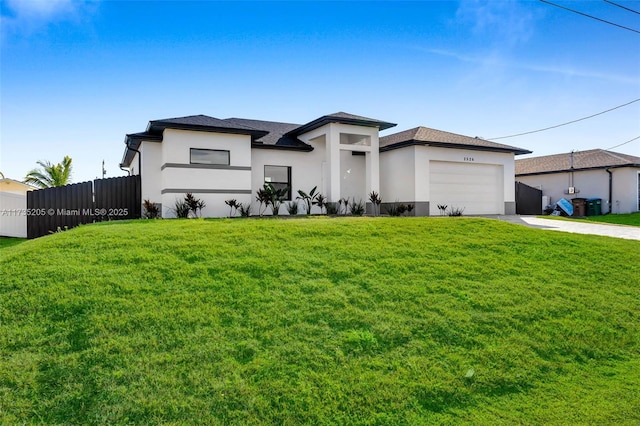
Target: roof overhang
point(133, 141)
point(413, 142)
point(158, 126)
point(302, 148)
point(327, 119)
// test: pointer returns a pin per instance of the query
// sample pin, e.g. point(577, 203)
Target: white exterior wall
point(14, 225)
point(591, 184)
point(151, 163)
point(335, 145)
point(306, 172)
point(353, 179)
point(212, 184)
point(398, 175)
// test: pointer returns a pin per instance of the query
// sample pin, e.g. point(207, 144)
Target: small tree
point(307, 198)
point(50, 175)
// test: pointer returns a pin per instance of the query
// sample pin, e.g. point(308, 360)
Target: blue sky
point(77, 76)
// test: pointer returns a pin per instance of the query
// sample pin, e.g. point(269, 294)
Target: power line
point(622, 7)
point(624, 143)
point(568, 122)
point(591, 16)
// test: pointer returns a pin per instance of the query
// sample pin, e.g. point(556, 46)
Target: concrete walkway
point(616, 231)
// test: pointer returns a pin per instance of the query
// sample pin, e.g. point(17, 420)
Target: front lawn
point(631, 219)
point(320, 321)
point(10, 241)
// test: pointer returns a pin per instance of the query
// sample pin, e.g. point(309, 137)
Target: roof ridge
point(615, 155)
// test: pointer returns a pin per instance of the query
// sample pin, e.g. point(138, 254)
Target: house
point(13, 206)
point(596, 173)
point(14, 186)
point(342, 154)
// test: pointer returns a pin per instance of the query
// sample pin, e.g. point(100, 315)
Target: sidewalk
point(616, 231)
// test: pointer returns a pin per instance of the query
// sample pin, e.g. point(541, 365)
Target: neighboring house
point(14, 186)
point(596, 173)
point(342, 154)
point(13, 208)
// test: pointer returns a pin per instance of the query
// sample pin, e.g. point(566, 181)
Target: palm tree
point(50, 175)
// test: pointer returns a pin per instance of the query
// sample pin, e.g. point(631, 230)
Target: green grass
point(10, 241)
point(320, 321)
point(631, 219)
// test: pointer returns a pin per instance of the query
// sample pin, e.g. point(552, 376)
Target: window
point(279, 177)
point(209, 156)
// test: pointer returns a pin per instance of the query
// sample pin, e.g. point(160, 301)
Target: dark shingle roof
point(343, 118)
point(591, 159)
point(202, 122)
point(276, 133)
point(426, 136)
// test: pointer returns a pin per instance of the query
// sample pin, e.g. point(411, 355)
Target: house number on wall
point(468, 159)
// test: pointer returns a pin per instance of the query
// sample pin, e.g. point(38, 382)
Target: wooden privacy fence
point(528, 199)
point(68, 206)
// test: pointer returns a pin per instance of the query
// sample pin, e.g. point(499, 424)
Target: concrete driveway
point(616, 231)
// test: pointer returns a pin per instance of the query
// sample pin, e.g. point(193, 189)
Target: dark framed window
point(279, 177)
point(209, 156)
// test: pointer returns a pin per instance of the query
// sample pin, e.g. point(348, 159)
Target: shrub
point(244, 211)
point(343, 202)
point(233, 204)
point(262, 197)
point(195, 204)
point(292, 208)
point(320, 201)
point(181, 209)
point(307, 198)
point(275, 197)
point(332, 208)
point(151, 210)
point(443, 209)
point(397, 209)
point(375, 199)
point(357, 208)
point(455, 211)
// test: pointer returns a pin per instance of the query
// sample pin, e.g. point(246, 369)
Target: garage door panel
point(478, 188)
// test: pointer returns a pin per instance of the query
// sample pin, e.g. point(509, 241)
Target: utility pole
point(104, 171)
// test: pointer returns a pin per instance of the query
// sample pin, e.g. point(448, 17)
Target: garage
point(478, 188)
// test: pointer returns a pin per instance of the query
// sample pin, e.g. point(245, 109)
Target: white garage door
point(478, 188)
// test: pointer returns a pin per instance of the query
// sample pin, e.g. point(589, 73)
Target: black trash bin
point(594, 206)
point(579, 206)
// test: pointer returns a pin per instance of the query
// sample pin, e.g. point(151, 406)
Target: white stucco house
point(342, 154)
point(611, 176)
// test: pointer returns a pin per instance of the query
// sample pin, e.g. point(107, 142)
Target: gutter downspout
point(125, 170)
point(610, 188)
point(139, 159)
